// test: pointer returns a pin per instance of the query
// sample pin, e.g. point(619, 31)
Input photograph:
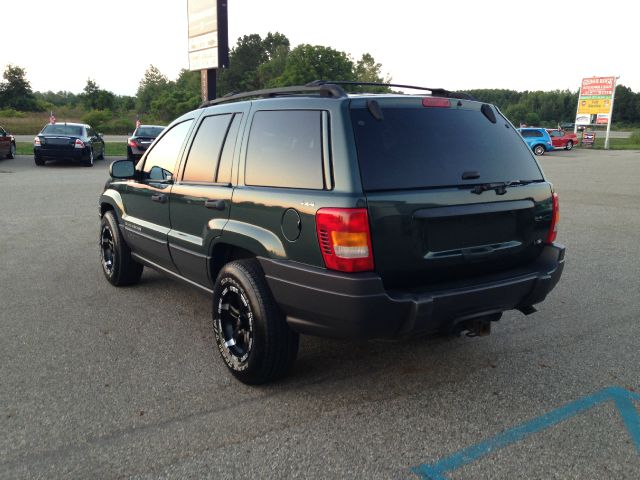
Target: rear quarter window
point(285, 149)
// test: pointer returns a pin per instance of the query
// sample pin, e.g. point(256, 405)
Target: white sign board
point(203, 34)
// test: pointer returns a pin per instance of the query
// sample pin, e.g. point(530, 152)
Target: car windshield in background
point(149, 131)
point(61, 129)
point(433, 147)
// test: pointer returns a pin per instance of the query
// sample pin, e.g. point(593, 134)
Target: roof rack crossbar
point(325, 90)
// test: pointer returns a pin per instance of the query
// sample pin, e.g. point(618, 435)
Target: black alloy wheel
point(115, 256)
point(235, 325)
point(107, 249)
point(251, 332)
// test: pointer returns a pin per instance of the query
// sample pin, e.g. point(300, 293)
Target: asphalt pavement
point(105, 382)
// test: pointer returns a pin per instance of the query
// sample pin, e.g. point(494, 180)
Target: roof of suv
point(328, 89)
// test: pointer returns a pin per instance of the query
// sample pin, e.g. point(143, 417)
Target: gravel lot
point(99, 382)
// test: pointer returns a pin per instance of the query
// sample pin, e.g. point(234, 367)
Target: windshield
point(148, 131)
point(61, 129)
point(432, 147)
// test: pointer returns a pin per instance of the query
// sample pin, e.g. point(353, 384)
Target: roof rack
point(325, 89)
point(439, 92)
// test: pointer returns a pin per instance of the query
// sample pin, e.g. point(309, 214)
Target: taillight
point(36, 142)
point(345, 239)
point(555, 218)
point(132, 143)
point(79, 143)
point(436, 102)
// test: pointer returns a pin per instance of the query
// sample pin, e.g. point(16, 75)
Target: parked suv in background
point(68, 141)
point(141, 139)
point(7, 144)
point(308, 210)
point(538, 139)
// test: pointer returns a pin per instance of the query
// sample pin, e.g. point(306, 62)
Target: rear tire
point(129, 154)
point(12, 151)
point(538, 150)
point(251, 332)
point(115, 256)
point(38, 159)
point(569, 145)
point(89, 161)
point(101, 156)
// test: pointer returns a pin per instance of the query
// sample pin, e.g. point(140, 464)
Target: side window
point(537, 133)
point(226, 159)
point(285, 149)
point(202, 162)
point(160, 163)
point(526, 133)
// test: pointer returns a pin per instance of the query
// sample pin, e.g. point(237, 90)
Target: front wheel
point(12, 151)
point(538, 150)
point(569, 145)
point(117, 265)
point(251, 332)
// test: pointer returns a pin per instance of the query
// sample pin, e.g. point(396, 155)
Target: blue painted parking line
point(622, 398)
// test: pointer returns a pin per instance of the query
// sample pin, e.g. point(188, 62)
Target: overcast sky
point(542, 45)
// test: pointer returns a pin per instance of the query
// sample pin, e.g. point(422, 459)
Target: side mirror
point(122, 169)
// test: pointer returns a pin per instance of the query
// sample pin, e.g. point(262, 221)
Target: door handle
point(215, 204)
point(160, 198)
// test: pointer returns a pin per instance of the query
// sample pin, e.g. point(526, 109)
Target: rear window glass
point(149, 131)
point(433, 147)
point(61, 129)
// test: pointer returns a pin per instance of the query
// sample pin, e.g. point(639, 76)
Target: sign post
point(208, 41)
point(595, 103)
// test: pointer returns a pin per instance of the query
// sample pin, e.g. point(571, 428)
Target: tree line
point(257, 63)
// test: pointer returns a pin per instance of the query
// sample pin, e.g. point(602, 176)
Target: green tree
point(249, 60)
point(306, 63)
point(151, 87)
point(367, 70)
point(15, 90)
point(95, 98)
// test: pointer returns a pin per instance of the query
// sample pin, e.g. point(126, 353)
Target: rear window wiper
point(499, 187)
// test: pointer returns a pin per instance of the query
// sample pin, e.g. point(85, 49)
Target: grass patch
point(112, 149)
point(616, 143)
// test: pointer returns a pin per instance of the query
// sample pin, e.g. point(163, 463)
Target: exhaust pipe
point(479, 326)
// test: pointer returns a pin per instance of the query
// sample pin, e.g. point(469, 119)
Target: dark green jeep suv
point(310, 210)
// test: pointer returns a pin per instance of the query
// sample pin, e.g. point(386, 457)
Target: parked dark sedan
point(68, 141)
point(141, 139)
point(7, 144)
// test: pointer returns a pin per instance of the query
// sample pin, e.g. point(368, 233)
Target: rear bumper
point(325, 303)
point(77, 154)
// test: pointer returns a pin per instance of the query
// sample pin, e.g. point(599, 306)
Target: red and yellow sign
point(596, 95)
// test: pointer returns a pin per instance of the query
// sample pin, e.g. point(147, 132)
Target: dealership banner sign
point(596, 100)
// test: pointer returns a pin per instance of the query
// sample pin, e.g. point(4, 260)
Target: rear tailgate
point(429, 175)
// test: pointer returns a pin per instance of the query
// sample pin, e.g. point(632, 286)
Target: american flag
point(52, 118)
point(137, 121)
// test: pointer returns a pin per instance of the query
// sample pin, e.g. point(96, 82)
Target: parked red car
point(7, 144)
point(562, 138)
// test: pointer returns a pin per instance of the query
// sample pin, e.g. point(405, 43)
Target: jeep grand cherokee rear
point(456, 228)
